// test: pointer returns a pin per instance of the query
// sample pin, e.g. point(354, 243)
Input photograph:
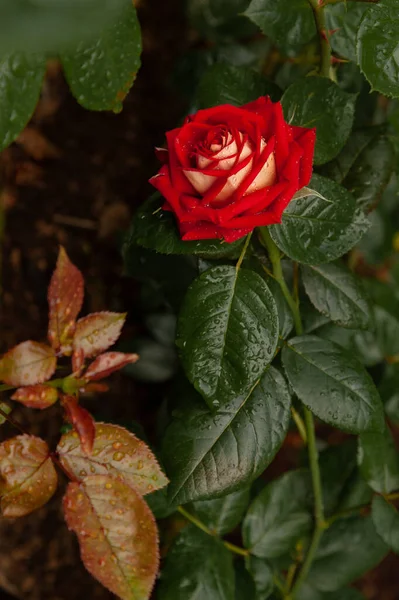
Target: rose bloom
point(228, 170)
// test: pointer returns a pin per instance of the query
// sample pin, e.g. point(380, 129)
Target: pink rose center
point(223, 152)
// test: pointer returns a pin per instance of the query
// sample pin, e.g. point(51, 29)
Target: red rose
point(228, 169)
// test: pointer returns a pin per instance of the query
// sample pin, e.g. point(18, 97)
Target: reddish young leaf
point(117, 535)
point(36, 396)
point(116, 452)
point(82, 421)
point(107, 363)
point(27, 475)
point(27, 364)
point(78, 361)
point(65, 298)
point(97, 332)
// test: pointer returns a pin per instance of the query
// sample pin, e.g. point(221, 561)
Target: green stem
point(203, 527)
point(300, 425)
point(320, 524)
point(12, 422)
point(243, 251)
point(321, 26)
point(275, 259)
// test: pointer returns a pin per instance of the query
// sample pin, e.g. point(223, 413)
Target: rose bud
point(230, 169)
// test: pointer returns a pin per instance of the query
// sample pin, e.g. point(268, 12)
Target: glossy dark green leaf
point(207, 454)
point(48, 26)
point(227, 333)
point(279, 515)
point(343, 21)
point(285, 317)
point(337, 465)
point(222, 515)
point(263, 577)
point(377, 42)
point(101, 73)
point(364, 166)
point(21, 80)
point(319, 102)
point(333, 384)
point(386, 521)
point(338, 294)
point(308, 592)
point(198, 567)
point(157, 230)
point(159, 504)
point(387, 332)
point(349, 548)
point(288, 24)
point(321, 227)
point(356, 493)
point(227, 84)
point(379, 461)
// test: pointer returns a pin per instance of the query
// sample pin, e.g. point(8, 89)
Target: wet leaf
point(226, 309)
point(107, 363)
point(378, 461)
point(28, 478)
point(338, 294)
point(82, 422)
point(321, 103)
point(320, 228)
point(223, 514)
point(101, 73)
point(198, 567)
point(21, 80)
point(36, 396)
point(377, 42)
point(97, 332)
point(209, 453)
point(343, 20)
point(27, 364)
point(116, 452)
point(117, 535)
point(386, 521)
point(333, 384)
point(65, 298)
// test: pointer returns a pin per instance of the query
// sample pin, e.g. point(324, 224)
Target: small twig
point(13, 422)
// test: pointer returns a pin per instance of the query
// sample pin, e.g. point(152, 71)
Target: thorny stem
point(203, 527)
point(321, 26)
point(320, 524)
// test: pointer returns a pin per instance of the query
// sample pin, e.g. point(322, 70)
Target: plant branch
point(243, 251)
point(203, 527)
point(12, 422)
point(300, 425)
point(321, 26)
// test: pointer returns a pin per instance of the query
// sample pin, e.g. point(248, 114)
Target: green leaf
point(213, 453)
point(20, 84)
point(337, 465)
point(344, 19)
point(222, 515)
point(356, 493)
point(364, 166)
point(386, 521)
point(279, 516)
point(158, 363)
point(244, 583)
point(379, 461)
point(216, 19)
point(101, 73)
point(308, 592)
point(338, 294)
point(48, 26)
point(333, 384)
point(156, 229)
point(387, 332)
point(290, 25)
point(377, 42)
point(349, 548)
point(198, 567)
point(262, 574)
point(227, 333)
point(285, 317)
point(227, 84)
point(319, 102)
point(321, 227)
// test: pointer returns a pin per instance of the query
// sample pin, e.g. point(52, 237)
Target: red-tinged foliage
point(78, 361)
point(65, 298)
point(28, 478)
point(97, 332)
point(107, 363)
point(82, 422)
point(27, 363)
point(36, 396)
point(116, 452)
point(117, 535)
